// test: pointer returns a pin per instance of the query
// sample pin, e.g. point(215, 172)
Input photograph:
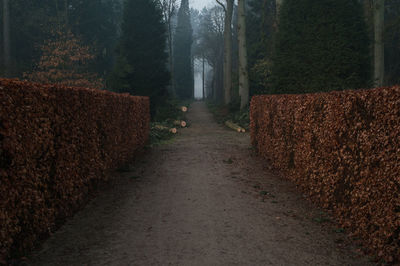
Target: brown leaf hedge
point(343, 151)
point(56, 142)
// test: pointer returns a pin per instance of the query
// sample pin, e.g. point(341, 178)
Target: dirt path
point(202, 200)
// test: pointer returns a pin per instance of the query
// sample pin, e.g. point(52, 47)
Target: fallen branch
point(160, 127)
point(234, 126)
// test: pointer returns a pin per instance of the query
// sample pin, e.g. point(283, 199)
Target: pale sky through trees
point(199, 4)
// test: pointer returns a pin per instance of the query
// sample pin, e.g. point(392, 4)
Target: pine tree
point(321, 46)
point(392, 42)
point(95, 22)
point(379, 48)
point(142, 64)
point(6, 36)
point(183, 40)
point(228, 7)
point(243, 57)
point(262, 25)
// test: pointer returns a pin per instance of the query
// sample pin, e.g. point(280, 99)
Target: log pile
point(162, 129)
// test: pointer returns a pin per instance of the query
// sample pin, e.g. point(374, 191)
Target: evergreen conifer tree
point(261, 22)
point(96, 23)
point(321, 45)
point(183, 72)
point(142, 64)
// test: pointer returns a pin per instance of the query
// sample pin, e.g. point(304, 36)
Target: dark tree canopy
point(321, 46)
point(142, 64)
point(261, 29)
point(392, 42)
point(33, 21)
point(96, 22)
point(183, 74)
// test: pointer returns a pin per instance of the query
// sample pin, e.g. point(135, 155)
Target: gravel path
point(204, 199)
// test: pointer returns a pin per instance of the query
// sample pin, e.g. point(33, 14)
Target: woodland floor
point(204, 199)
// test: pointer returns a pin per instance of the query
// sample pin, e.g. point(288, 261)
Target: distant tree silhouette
point(141, 68)
point(183, 40)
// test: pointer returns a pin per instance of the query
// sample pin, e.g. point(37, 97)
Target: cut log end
point(180, 123)
point(172, 130)
point(234, 126)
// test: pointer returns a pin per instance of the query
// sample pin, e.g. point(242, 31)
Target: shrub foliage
point(321, 46)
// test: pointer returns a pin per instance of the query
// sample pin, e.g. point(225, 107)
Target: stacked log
point(180, 123)
point(161, 127)
point(169, 124)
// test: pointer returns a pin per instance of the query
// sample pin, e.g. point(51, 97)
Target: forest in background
point(149, 47)
point(306, 46)
point(152, 47)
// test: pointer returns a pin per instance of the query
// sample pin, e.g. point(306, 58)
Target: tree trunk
point(6, 37)
point(243, 73)
point(168, 10)
point(66, 6)
point(204, 83)
point(379, 50)
point(214, 85)
point(228, 51)
point(171, 57)
point(220, 79)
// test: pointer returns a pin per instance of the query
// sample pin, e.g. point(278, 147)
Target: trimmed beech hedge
point(343, 150)
point(55, 143)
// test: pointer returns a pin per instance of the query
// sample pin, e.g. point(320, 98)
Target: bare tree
point(6, 37)
point(228, 9)
point(243, 73)
point(379, 50)
point(169, 8)
point(209, 45)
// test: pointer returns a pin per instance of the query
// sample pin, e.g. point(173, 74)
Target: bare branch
point(221, 4)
